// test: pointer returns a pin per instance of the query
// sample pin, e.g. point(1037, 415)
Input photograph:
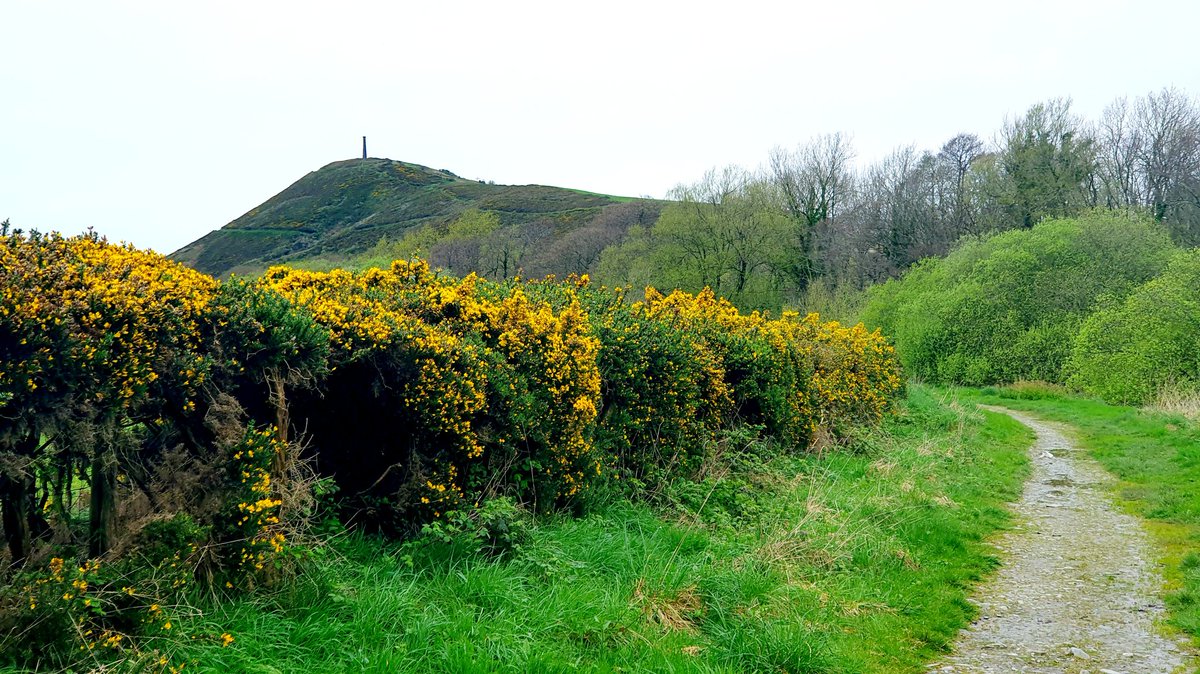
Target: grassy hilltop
point(347, 207)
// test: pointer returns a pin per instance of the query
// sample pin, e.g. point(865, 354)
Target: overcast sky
point(156, 122)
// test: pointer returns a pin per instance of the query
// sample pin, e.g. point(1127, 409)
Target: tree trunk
point(279, 400)
point(282, 421)
point(17, 490)
point(16, 497)
point(103, 503)
point(62, 493)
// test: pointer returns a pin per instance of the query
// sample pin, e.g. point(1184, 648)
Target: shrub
point(1129, 351)
point(495, 528)
point(447, 391)
point(664, 393)
point(1006, 307)
point(793, 375)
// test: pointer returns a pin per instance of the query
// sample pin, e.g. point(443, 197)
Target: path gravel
point(1077, 591)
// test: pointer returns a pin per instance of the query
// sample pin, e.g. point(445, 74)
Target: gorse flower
point(468, 389)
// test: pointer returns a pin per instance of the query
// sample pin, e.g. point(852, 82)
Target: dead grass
point(673, 611)
point(1177, 400)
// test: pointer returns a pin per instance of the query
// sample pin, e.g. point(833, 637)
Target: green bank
point(858, 560)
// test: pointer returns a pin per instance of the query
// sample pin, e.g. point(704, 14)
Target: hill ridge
point(347, 206)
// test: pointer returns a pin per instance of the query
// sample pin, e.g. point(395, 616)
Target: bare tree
point(1169, 157)
point(1119, 143)
point(1149, 158)
point(813, 183)
point(579, 251)
point(693, 229)
point(957, 155)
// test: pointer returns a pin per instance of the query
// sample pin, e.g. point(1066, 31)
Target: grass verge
point(857, 561)
point(1156, 457)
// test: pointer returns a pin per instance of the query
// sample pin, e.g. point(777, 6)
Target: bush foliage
point(1129, 351)
point(1008, 307)
point(151, 411)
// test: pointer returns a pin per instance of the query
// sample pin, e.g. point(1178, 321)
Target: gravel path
point(1077, 591)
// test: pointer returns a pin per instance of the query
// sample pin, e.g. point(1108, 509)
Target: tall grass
point(859, 561)
point(1182, 401)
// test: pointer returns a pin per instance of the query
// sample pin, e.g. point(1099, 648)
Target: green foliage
point(1127, 352)
point(660, 391)
point(423, 396)
point(1007, 307)
point(248, 529)
point(416, 242)
point(473, 223)
point(172, 538)
point(495, 528)
point(834, 301)
point(108, 615)
point(729, 242)
point(257, 336)
point(1047, 162)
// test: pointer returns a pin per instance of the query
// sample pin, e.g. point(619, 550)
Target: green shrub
point(446, 391)
point(495, 528)
point(1007, 307)
point(1127, 352)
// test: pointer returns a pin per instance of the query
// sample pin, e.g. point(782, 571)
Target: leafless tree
point(1117, 159)
point(578, 251)
point(957, 155)
point(1169, 158)
point(813, 183)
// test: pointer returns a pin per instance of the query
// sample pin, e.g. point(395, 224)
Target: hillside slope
point(346, 207)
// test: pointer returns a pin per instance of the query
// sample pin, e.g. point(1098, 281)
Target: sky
point(156, 122)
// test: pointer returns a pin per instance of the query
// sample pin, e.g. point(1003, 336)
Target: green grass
point(611, 197)
point(857, 561)
point(1156, 457)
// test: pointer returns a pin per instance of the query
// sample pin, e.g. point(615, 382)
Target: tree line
point(809, 218)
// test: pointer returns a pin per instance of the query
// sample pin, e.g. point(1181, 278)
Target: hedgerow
point(200, 414)
point(1007, 307)
point(1129, 351)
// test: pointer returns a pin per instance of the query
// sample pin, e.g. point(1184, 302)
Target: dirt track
point(1078, 590)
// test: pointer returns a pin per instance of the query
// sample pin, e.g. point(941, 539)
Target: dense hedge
point(415, 392)
point(446, 391)
point(1127, 352)
point(1008, 307)
point(204, 417)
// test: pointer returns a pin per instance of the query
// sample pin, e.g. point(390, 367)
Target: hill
point(346, 208)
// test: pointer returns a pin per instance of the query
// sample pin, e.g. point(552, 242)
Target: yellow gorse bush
point(251, 522)
point(487, 375)
point(794, 374)
point(856, 374)
point(99, 318)
point(477, 388)
point(416, 393)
